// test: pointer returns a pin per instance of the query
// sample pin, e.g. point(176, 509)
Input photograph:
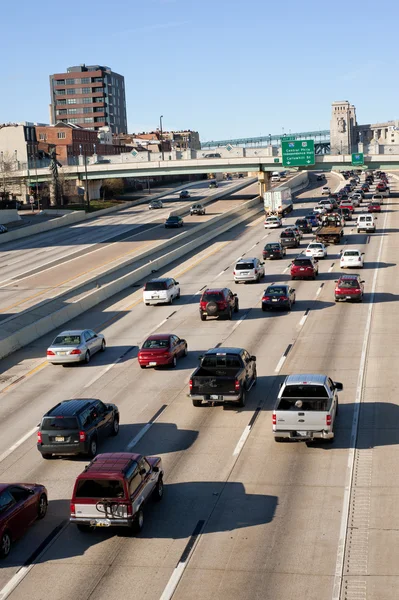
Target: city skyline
point(223, 70)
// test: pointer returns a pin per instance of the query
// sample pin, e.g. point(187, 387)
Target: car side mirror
point(176, 282)
point(338, 386)
point(201, 356)
point(253, 358)
point(155, 469)
point(31, 492)
point(293, 290)
point(235, 295)
point(362, 281)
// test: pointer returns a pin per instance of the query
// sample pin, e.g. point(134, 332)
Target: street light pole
point(4, 174)
point(160, 127)
point(87, 197)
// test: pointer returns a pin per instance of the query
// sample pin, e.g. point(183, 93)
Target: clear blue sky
point(226, 68)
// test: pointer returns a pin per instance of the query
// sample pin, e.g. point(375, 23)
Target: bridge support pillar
point(264, 182)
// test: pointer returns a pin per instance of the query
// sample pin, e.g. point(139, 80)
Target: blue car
point(313, 219)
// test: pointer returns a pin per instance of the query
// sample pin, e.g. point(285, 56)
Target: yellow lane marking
point(28, 374)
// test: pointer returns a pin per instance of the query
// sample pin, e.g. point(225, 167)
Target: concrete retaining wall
point(9, 216)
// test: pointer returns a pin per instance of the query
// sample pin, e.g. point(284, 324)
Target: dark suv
point(218, 302)
point(76, 427)
point(304, 225)
point(288, 239)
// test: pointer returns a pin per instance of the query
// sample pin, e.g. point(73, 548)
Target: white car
point(351, 258)
point(161, 291)
point(356, 199)
point(249, 269)
point(328, 205)
point(316, 250)
point(366, 223)
point(319, 209)
point(272, 222)
point(325, 191)
point(378, 198)
point(275, 178)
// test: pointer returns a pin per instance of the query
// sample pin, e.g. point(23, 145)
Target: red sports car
point(20, 505)
point(161, 349)
point(374, 206)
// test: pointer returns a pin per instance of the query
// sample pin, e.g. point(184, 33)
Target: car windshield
point(100, 488)
point(244, 266)
point(227, 361)
point(277, 291)
point(351, 253)
point(348, 283)
point(67, 340)
point(302, 262)
point(56, 423)
point(156, 343)
point(212, 297)
point(152, 286)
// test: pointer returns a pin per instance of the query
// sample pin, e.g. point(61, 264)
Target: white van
point(160, 291)
point(366, 223)
point(276, 176)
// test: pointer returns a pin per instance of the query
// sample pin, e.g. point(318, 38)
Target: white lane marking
point(331, 268)
point(173, 581)
point(280, 364)
point(286, 269)
point(239, 322)
point(17, 444)
point(138, 437)
point(242, 441)
point(23, 571)
point(265, 236)
point(319, 291)
point(252, 247)
point(339, 565)
point(303, 320)
point(219, 275)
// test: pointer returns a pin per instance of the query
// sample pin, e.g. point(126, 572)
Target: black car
point(76, 427)
point(288, 239)
point(278, 295)
point(174, 222)
point(320, 177)
point(3, 229)
point(274, 250)
point(304, 225)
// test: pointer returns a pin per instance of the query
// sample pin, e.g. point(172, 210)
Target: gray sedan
point(75, 346)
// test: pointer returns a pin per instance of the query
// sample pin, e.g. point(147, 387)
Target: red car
point(374, 206)
point(381, 187)
point(303, 267)
point(20, 505)
point(349, 287)
point(161, 349)
point(347, 204)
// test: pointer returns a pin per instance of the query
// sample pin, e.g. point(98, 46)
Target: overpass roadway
point(275, 521)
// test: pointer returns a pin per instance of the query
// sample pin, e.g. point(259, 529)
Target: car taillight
point(72, 508)
point(328, 420)
point(129, 510)
point(82, 436)
point(234, 273)
point(191, 384)
point(76, 351)
point(283, 298)
point(203, 305)
point(359, 259)
point(256, 271)
point(145, 287)
point(236, 385)
point(39, 437)
point(274, 419)
point(266, 298)
point(222, 305)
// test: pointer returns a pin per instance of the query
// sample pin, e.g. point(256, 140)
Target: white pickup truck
point(306, 408)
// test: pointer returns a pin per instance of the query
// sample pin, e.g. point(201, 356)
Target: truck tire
point(243, 399)
point(203, 317)
point(278, 439)
point(197, 403)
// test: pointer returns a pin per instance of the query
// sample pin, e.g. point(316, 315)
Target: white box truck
point(278, 202)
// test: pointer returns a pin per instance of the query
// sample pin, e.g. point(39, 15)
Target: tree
point(7, 167)
point(113, 187)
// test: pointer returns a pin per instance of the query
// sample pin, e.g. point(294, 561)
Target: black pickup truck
point(225, 375)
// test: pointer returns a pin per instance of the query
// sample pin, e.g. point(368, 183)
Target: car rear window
point(278, 291)
point(226, 361)
point(287, 234)
point(308, 404)
point(57, 423)
point(173, 218)
point(244, 266)
point(100, 488)
point(152, 286)
point(212, 297)
point(348, 284)
point(351, 253)
point(272, 247)
point(67, 340)
point(302, 262)
point(301, 222)
point(156, 343)
point(305, 391)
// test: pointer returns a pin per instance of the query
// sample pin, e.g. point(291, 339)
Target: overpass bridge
point(321, 140)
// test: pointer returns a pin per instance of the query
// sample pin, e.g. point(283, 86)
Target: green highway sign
point(276, 160)
point(358, 159)
point(288, 138)
point(298, 153)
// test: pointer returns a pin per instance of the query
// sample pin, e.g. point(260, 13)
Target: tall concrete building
point(90, 96)
point(342, 128)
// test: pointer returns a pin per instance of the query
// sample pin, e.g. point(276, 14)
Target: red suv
point(218, 302)
point(113, 489)
point(349, 287)
point(303, 267)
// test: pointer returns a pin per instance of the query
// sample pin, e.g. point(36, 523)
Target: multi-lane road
point(242, 517)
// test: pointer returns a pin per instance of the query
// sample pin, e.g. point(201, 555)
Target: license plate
point(302, 433)
point(274, 300)
point(152, 364)
point(103, 522)
point(302, 269)
point(59, 438)
point(61, 353)
point(154, 297)
point(348, 297)
point(245, 273)
point(214, 397)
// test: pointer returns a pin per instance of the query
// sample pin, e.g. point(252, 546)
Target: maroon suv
point(304, 267)
point(218, 302)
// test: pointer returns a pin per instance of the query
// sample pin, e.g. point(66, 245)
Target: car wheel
point(255, 378)
point(47, 456)
point(170, 301)
point(289, 306)
point(178, 294)
point(278, 439)
point(236, 282)
point(115, 426)
point(243, 400)
point(147, 303)
point(185, 351)
point(83, 528)
point(173, 363)
point(103, 346)
point(87, 357)
point(42, 507)
point(236, 307)
point(158, 492)
point(92, 448)
point(142, 366)
point(5, 544)
point(203, 317)
point(230, 315)
point(138, 521)
point(197, 403)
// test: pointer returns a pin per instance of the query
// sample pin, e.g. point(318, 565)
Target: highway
point(242, 517)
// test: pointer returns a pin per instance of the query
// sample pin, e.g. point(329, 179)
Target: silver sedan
point(75, 346)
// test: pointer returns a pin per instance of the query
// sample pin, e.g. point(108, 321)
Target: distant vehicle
point(349, 287)
point(331, 229)
point(378, 198)
point(327, 204)
point(304, 267)
point(155, 204)
point(161, 349)
point(102, 161)
point(366, 223)
point(313, 219)
point(306, 408)
point(112, 490)
point(161, 291)
point(274, 250)
point(77, 345)
point(218, 302)
point(316, 250)
point(347, 204)
point(275, 176)
point(320, 177)
point(197, 209)
point(184, 194)
point(3, 229)
point(76, 426)
point(288, 239)
point(278, 295)
point(320, 209)
point(325, 191)
point(213, 184)
point(213, 155)
point(240, 175)
point(272, 222)
point(346, 213)
point(351, 258)
point(225, 375)
point(173, 222)
point(21, 504)
point(374, 207)
point(304, 225)
point(249, 269)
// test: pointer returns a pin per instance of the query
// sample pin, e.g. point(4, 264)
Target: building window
point(62, 111)
point(85, 80)
point(71, 92)
point(97, 80)
point(42, 137)
point(71, 81)
point(71, 101)
point(88, 120)
point(61, 101)
point(59, 82)
point(86, 90)
point(72, 111)
point(87, 109)
point(60, 92)
point(73, 120)
point(87, 100)
point(61, 135)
